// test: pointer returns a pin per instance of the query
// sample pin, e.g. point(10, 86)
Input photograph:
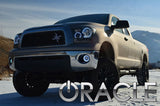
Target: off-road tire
point(28, 84)
point(143, 74)
point(106, 72)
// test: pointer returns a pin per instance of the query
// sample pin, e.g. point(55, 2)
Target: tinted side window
point(126, 31)
point(119, 30)
point(113, 22)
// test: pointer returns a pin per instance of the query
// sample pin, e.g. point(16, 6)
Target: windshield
point(96, 18)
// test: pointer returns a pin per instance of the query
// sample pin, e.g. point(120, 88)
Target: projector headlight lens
point(77, 35)
point(87, 32)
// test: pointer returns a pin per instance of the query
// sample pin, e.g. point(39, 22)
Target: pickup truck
point(95, 48)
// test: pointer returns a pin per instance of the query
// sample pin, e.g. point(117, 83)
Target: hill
point(6, 45)
point(152, 41)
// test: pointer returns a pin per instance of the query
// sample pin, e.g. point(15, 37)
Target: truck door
point(134, 50)
point(122, 44)
point(123, 48)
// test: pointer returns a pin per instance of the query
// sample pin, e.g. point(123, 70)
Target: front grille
point(43, 39)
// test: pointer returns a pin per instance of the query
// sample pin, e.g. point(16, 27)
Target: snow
point(8, 95)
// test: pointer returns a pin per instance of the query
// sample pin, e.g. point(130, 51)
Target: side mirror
point(121, 24)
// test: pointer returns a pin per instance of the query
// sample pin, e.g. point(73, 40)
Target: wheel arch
point(145, 58)
point(107, 51)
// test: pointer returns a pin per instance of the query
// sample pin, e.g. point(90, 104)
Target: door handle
point(126, 39)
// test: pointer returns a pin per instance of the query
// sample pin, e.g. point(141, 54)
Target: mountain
point(6, 45)
point(152, 41)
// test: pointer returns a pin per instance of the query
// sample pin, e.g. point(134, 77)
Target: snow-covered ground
point(8, 95)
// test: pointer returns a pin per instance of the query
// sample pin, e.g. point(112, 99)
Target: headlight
point(17, 39)
point(87, 32)
point(78, 35)
point(83, 33)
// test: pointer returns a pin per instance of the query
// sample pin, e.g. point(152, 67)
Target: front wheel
point(143, 74)
point(28, 84)
point(106, 72)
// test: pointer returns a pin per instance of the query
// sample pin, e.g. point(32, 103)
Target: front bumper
point(56, 62)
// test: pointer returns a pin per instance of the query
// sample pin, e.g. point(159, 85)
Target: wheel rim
point(32, 81)
point(106, 74)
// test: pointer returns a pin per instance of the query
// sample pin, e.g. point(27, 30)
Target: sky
point(18, 15)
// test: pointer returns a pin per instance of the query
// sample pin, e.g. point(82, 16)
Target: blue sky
point(17, 15)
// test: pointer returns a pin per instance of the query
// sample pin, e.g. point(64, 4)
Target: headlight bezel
point(17, 40)
point(78, 35)
point(83, 32)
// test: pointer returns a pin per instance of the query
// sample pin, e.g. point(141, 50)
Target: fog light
point(10, 61)
point(86, 58)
